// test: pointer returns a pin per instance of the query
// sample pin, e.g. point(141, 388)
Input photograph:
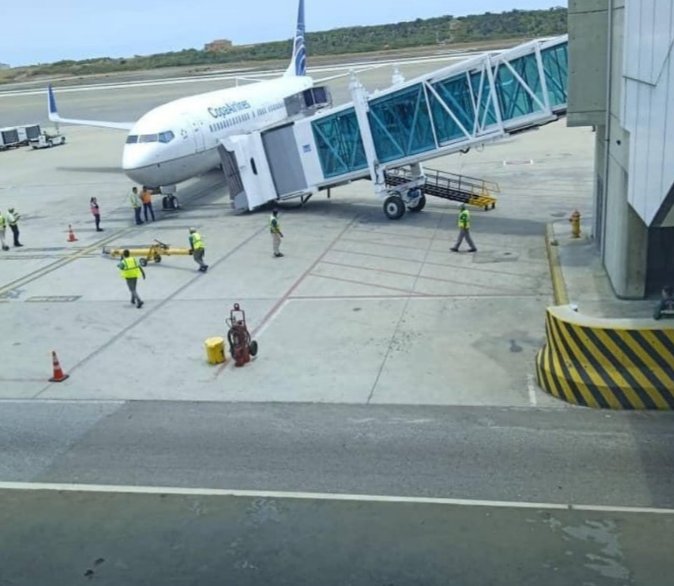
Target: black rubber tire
point(657, 314)
point(157, 258)
point(142, 262)
point(394, 207)
point(253, 348)
point(420, 206)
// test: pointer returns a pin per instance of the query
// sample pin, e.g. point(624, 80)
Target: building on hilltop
point(218, 45)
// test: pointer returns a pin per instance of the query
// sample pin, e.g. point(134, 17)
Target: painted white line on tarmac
point(170, 490)
point(532, 390)
point(63, 401)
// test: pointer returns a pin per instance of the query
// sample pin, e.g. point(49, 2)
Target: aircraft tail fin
point(298, 63)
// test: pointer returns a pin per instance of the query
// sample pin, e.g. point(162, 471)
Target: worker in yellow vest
point(3, 227)
point(464, 231)
point(197, 249)
point(276, 234)
point(12, 218)
point(130, 270)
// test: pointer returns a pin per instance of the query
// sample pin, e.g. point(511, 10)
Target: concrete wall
point(647, 110)
point(634, 165)
point(588, 28)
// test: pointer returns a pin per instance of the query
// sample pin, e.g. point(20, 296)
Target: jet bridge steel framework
point(479, 100)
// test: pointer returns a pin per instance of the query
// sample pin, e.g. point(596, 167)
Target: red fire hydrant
point(575, 224)
point(241, 347)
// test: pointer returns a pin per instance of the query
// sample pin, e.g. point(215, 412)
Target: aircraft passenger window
point(148, 138)
point(132, 139)
point(167, 136)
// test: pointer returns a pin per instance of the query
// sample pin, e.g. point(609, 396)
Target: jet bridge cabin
point(388, 135)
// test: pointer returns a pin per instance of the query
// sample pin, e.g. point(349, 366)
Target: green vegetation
point(445, 30)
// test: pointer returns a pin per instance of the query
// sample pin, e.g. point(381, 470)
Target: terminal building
point(621, 83)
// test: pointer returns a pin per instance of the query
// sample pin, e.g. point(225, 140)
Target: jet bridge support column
point(361, 106)
point(394, 203)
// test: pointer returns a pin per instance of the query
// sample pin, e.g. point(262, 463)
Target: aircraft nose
point(140, 165)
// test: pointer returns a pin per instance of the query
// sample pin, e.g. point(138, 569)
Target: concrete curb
point(559, 291)
point(607, 363)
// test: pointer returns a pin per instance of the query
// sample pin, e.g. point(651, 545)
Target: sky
point(45, 31)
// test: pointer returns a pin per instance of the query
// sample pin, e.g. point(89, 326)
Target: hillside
point(444, 31)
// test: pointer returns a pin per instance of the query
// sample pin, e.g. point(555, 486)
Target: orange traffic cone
point(59, 375)
point(71, 234)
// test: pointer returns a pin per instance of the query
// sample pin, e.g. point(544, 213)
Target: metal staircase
point(450, 186)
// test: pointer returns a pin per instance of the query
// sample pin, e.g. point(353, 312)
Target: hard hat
point(192, 230)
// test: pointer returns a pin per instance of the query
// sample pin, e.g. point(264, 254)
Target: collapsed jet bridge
point(386, 136)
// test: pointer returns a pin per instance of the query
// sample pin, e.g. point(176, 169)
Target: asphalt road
point(62, 537)
point(563, 456)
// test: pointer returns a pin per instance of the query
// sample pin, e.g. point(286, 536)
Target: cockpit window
point(148, 138)
point(164, 137)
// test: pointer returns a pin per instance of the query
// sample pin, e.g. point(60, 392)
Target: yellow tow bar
point(147, 253)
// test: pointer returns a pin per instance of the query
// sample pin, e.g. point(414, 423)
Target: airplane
point(179, 140)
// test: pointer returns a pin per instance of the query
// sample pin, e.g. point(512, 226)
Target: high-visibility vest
point(464, 219)
point(130, 268)
point(12, 218)
point(2, 222)
point(196, 241)
point(274, 226)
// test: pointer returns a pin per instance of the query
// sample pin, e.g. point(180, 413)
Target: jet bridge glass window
point(167, 136)
point(514, 99)
point(339, 143)
point(454, 95)
point(132, 139)
point(556, 66)
point(401, 124)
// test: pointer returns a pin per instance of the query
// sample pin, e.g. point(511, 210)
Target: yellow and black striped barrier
point(607, 363)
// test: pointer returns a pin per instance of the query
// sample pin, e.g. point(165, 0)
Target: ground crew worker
point(96, 212)
point(197, 249)
point(464, 231)
point(3, 225)
point(136, 205)
point(146, 198)
point(13, 221)
point(130, 270)
point(276, 234)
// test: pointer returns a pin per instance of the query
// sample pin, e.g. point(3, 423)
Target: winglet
point(51, 104)
point(298, 63)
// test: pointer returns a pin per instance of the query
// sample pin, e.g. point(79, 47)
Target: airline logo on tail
point(298, 65)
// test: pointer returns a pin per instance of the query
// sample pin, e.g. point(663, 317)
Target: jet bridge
point(480, 100)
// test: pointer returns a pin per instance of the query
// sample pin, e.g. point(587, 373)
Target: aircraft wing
point(54, 116)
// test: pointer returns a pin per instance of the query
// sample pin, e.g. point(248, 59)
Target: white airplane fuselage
point(179, 140)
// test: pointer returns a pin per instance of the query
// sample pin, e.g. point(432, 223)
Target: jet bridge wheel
point(394, 207)
point(419, 204)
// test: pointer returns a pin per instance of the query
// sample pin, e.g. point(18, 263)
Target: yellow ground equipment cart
point(152, 252)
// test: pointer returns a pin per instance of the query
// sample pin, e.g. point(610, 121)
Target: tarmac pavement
point(387, 365)
point(360, 310)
